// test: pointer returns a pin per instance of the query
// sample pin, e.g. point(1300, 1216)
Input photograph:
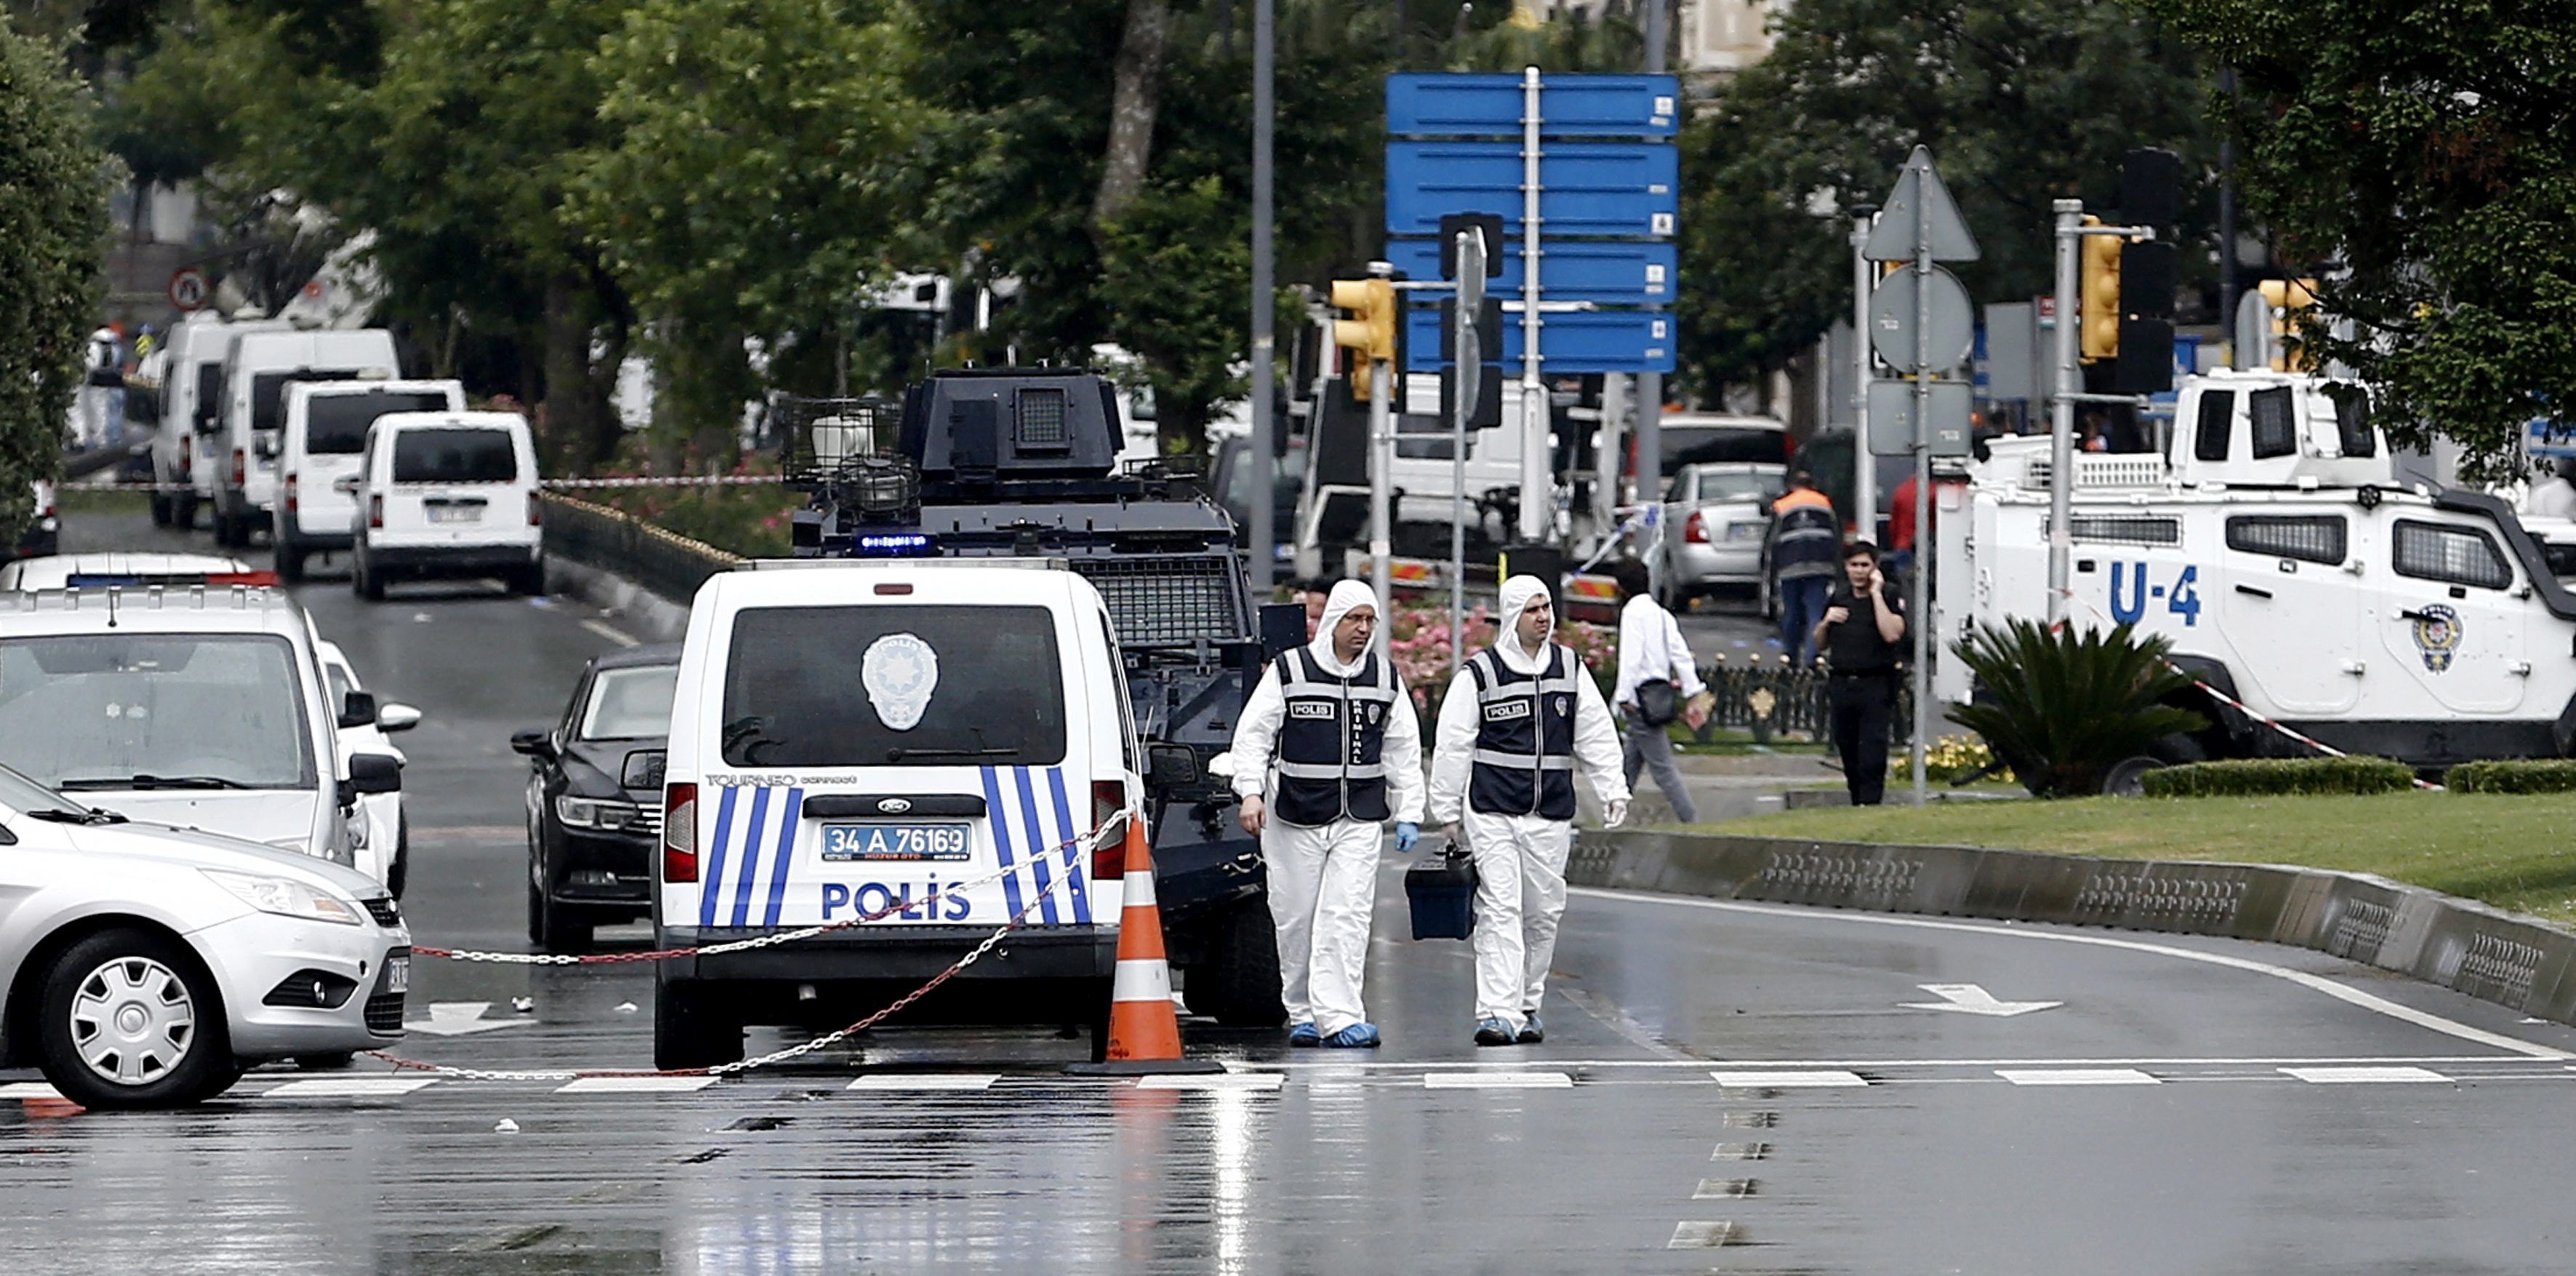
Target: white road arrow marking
point(1971, 999)
point(459, 1018)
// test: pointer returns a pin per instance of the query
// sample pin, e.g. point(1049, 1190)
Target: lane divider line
point(635, 1085)
point(1797, 1080)
point(350, 1088)
point(1497, 1081)
point(925, 1082)
point(2368, 1076)
point(2315, 983)
point(2076, 1076)
point(612, 633)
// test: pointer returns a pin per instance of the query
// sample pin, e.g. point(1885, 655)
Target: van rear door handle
point(2249, 589)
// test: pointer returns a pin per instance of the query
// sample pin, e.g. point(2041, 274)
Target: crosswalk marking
point(1496, 1081)
point(29, 1090)
point(2365, 1076)
point(636, 1085)
point(1701, 1235)
point(926, 1081)
point(1779, 1080)
point(1249, 1082)
point(350, 1088)
point(2076, 1076)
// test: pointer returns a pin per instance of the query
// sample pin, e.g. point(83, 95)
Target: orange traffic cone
point(1144, 1031)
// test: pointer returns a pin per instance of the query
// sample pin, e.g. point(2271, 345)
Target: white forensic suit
point(1335, 751)
point(1513, 729)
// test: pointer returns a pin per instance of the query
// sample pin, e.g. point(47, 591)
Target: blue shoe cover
point(1362, 1036)
point(1304, 1034)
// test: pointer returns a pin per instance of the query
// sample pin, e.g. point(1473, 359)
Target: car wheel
point(1241, 972)
point(529, 580)
point(2127, 777)
point(131, 1019)
point(370, 586)
point(183, 511)
point(687, 1033)
point(160, 508)
point(290, 562)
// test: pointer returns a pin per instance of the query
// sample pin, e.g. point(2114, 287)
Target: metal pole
point(2227, 224)
point(1658, 33)
point(2061, 432)
point(1538, 487)
point(1381, 485)
point(1265, 552)
point(1864, 463)
point(1458, 513)
point(1650, 385)
point(1918, 608)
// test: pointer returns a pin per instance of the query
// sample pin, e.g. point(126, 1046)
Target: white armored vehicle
point(2274, 546)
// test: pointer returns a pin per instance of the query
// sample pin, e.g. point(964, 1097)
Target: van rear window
point(336, 424)
point(906, 685)
point(455, 456)
point(268, 392)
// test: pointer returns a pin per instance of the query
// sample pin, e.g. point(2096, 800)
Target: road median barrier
point(2522, 963)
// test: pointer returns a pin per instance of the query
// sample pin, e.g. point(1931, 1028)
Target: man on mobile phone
point(1863, 638)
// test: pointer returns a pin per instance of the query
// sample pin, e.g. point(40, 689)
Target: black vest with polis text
point(1524, 759)
point(1332, 740)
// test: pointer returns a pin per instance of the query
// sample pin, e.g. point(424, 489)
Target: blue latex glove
point(1406, 834)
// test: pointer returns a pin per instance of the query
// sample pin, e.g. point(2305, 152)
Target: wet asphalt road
point(1725, 1088)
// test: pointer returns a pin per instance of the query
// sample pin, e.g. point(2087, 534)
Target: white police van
point(851, 737)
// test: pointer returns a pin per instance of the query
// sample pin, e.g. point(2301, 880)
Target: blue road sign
point(1585, 188)
point(1574, 341)
point(1605, 272)
point(1435, 105)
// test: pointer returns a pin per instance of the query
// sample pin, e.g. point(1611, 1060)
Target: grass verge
point(2512, 851)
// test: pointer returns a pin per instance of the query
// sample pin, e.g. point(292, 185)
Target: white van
point(326, 435)
point(255, 381)
point(446, 494)
point(187, 449)
point(850, 737)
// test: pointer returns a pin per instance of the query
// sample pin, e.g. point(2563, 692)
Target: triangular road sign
point(1920, 185)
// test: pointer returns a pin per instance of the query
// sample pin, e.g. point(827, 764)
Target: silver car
point(1716, 515)
point(149, 966)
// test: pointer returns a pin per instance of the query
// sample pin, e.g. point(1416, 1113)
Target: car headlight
point(286, 897)
point(594, 813)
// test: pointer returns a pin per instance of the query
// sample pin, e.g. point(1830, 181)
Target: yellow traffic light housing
point(2286, 298)
point(2100, 307)
point(1371, 328)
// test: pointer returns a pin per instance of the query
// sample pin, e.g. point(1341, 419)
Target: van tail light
point(376, 512)
point(241, 467)
point(679, 833)
point(290, 493)
point(1108, 862)
point(536, 511)
point(1696, 530)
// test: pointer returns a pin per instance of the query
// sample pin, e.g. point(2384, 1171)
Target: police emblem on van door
point(899, 671)
point(2437, 635)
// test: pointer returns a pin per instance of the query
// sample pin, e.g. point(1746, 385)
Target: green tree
point(53, 230)
point(2021, 101)
point(2421, 157)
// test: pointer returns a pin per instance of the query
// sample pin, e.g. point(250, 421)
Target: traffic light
point(2100, 307)
point(2287, 297)
point(1371, 328)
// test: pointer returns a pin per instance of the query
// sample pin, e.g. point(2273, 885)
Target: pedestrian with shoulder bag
point(1658, 683)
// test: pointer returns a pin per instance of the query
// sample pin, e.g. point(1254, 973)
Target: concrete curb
point(645, 614)
point(2521, 963)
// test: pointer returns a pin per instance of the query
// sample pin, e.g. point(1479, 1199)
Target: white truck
point(2275, 547)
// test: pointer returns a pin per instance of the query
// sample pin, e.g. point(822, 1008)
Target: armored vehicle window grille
point(2352, 422)
point(1042, 418)
point(1169, 602)
point(2210, 440)
point(2126, 529)
point(2313, 538)
point(2276, 430)
point(2456, 555)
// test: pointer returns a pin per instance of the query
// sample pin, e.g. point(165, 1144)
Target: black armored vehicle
point(982, 463)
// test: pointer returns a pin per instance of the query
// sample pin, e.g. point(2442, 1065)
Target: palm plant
point(2064, 707)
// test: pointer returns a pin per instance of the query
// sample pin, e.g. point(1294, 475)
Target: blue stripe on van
point(1001, 826)
point(750, 857)
point(1073, 859)
point(786, 853)
point(1039, 851)
point(711, 882)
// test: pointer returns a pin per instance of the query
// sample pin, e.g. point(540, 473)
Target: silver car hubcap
point(133, 1021)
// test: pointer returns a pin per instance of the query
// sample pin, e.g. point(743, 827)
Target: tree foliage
point(53, 227)
point(2422, 157)
point(2022, 102)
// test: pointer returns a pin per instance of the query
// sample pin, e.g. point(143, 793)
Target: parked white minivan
point(188, 448)
point(852, 737)
point(446, 494)
point(325, 439)
point(263, 364)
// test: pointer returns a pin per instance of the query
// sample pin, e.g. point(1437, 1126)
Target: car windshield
point(875, 686)
point(20, 794)
point(630, 704)
point(97, 711)
point(336, 424)
point(455, 456)
point(1736, 486)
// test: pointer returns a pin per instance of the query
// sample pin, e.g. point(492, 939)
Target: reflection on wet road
point(1728, 1089)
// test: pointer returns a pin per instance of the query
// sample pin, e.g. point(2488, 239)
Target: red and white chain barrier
point(551, 485)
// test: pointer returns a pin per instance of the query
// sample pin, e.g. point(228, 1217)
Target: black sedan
point(595, 798)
